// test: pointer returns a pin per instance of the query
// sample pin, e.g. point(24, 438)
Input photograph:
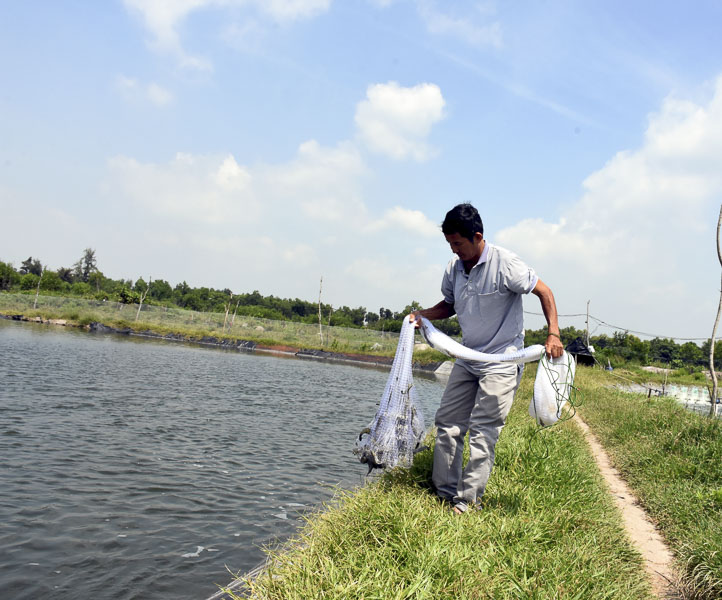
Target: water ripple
point(140, 469)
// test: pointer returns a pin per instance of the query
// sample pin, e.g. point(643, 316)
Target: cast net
point(397, 430)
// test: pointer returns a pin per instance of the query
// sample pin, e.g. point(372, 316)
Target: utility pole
point(587, 340)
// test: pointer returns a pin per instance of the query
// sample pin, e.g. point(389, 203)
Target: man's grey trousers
point(478, 404)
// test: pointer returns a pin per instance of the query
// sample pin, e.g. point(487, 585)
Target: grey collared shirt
point(488, 300)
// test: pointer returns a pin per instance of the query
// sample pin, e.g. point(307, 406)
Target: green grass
point(195, 324)
point(672, 459)
point(681, 376)
point(548, 529)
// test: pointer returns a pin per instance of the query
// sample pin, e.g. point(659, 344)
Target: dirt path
point(644, 535)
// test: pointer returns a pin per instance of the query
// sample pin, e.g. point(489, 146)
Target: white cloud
point(293, 9)
point(163, 17)
point(134, 91)
point(159, 95)
point(395, 120)
point(464, 28)
point(320, 184)
point(413, 221)
point(201, 189)
point(257, 253)
point(633, 236)
point(475, 26)
point(394, 279)
point(323, 182)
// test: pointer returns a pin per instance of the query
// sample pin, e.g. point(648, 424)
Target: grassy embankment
point(548, 528)
point(194, 326)
point(672, 459)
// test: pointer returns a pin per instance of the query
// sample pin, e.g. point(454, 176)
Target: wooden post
point(37, 291)
point(227, 306)
point(664, 385)
point(233, 318)
point(142, 297)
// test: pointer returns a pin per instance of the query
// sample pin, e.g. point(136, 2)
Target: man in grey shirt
point(482, 285)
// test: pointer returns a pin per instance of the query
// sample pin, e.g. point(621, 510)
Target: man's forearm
point(442, 310)
point(549, 306)
point(553, 344)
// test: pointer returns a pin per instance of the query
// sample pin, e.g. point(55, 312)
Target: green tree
point(85, 265)
point(160, 290)
point(98, 282)
point(385, 313)
point(408, 309)
point(51, 282)
point(663, 350)
point(691, 354)
point(140, 285)
point(128, 296)
point(8, 276)
point(31, 266)
point(66, 274)
point(29, 281)
point(80, 288)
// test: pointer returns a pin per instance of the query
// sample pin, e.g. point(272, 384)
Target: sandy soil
point(658, 558)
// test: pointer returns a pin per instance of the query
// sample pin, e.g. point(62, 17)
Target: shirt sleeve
point(447, 283)
point(518, 277)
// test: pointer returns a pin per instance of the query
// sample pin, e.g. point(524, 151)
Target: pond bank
point(240, 345)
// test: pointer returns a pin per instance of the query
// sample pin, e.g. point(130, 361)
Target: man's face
point(464, 248)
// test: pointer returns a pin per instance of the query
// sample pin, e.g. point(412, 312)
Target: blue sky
point(262, 144)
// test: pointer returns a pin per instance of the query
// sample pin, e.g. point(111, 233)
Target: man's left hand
point(553, 346)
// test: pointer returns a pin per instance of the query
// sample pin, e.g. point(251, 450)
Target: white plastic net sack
point(552, 388)
point(397, 430)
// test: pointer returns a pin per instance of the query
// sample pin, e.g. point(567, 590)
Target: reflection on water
point(147, 469)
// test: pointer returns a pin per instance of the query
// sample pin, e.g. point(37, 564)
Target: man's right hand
point(415, 318)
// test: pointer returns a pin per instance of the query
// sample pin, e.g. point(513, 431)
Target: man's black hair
point(463, 219)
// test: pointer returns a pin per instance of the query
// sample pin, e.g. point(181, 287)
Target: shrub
point(8, 276)
point(29, 281)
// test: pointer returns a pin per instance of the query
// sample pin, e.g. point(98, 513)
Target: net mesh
point(397, 430)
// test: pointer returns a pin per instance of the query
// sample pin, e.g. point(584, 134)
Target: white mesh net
point(397, 430)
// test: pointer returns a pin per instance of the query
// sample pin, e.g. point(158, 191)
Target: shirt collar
point(482, 259)
point(484, 254)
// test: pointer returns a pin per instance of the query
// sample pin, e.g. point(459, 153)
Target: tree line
point(84, 279)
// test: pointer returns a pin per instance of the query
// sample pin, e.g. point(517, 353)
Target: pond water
point(134, 468)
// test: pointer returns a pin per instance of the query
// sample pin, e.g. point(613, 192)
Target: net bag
point(552, 388)
point(397, 430)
